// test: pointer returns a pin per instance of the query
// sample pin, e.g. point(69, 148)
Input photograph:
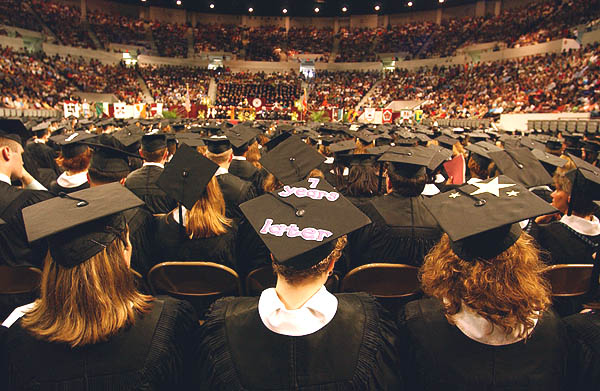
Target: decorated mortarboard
point(14, 129)
point(152, 142)
point(300, 223)
point(493, 208)
point(108, 155)
point(190, 139)
point(522, 166)
point(240, 135)
point(73, 145)
point(129, 135)
point(186, 176)
point(342, 146)
point(292, 160)
point(585, 178)
point(81, 224)
point(217, 144)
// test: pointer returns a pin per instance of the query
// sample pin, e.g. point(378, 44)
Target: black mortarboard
point(277, 140)
point(41, 129)
point(292, 160)
point(522, 166)
point(190, 139)
point(365, 136)
point(553, 144)
point(532, 144)
point(72, 145)
point(478, 136)
point(108, 156)
point(186, 176)
point(573, 139)
point(217, 144)
point(482, 148)
point(81, 224)
point(342, 146)
point(240, 135)
point(493, 209)
point(129, 135)
point(154, 141)
point(548, 158)
point(586, 178)
point(300, 223)
point(15, 130)
point(361, 159)
point(591, 146)
point(447, 141)
point(409, 161)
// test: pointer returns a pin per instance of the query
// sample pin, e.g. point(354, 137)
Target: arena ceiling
point(302, 7)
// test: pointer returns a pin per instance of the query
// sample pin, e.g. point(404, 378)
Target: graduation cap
point(478, 136)
point(361, 159)
point(41, 129)
point(300, 223)
point(72, 145)
point(585, 179)
point(186, 176)
point(447, 141)
point(292, 160)
point(553, 144)
point(532, 144)
point(154, 141)
point(365, 136)
point(482, 149)
point(549, 161)
point(409, 162)
point(591, 146)
point(493, 209)
point(342, 146)
point(81, 224)
point(277, 140)
point(217, 144)
point(190, 139)
point(521, 165)
point(15, 130)
point(108, 155)
point(240, 136)
point(129, 135)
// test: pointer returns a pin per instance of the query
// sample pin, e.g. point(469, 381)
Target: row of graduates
point(487, 324)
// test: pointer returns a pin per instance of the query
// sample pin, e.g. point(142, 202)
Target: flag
point(304, 102)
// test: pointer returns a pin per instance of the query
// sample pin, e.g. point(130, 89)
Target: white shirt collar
point(479, 329)
point(329, 160)
point(239, 157)
point(154, 164)
point(581, 225)
point(315, 314)
point(221, 171)
point(430, 190)
point(5, 179)
point(176, 214)
point(71, 181)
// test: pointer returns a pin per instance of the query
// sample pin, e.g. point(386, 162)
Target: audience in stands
point(170, 84)
point(275, 89)
point(340, 89)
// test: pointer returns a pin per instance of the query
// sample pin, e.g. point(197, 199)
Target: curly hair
point(508, 290)
point(296, 277)
point(75, 164)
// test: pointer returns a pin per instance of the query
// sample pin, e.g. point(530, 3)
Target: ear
point(141, 153)
point(230, 157)
point(5, 151)
point(122, 181)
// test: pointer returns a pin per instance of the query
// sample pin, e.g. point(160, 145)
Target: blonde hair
point(87, 303)
point(207, 217)
point(509, 290)
point(219, 158)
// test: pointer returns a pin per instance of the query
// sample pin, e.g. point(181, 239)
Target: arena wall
point(519, 121)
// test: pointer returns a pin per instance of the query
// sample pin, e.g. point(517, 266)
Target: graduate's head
point(109, 162)
point(11, 158)
point(87, 290)
point(154, 148)
point(574, 190)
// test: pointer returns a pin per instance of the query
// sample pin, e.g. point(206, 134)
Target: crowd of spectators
point(215, 37)
point(275, 89)
point(303, 40)
point(117, 29)
point(561, 82)
point(171, 39)
point(340, 89)
point(358, 44)
point(17, 13)
point(65, 23)
point(264, 43)
point(30, 81)
point(407, 38)
point(171, 84)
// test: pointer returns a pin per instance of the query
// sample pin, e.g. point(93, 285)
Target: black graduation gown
point(561, 244)
point(402, 231)
point(141, 236)
point(17, 251)
point(142, 183)
point(246, 171)
point(40, 158)
point(438, 356)
point(235, 192)
point(152, 354)
point(584, 330)
point(173, 244)
point(355, 351)
point(55, 188)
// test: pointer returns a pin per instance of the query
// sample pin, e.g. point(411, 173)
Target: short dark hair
point(102, 177)
point(405, 186)
point(154, 156)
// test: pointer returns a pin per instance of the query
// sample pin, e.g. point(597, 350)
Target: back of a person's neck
point(295, 296)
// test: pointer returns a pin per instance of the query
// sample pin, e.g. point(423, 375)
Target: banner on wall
point(386, 116)
point(71, 109)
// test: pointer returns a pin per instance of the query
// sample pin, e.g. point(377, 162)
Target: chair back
point(263, 277)
point(199, 279)
point(20, 279)
point(569, 280)
point(383, 280)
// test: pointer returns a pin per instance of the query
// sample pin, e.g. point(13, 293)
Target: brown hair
point(10, 143)
point(477, 168)
point(580, 202)
point(207, 217)
point(75, 164)
point(219, 158)
point(88, 303)
point(253, 155)
point(270, 183)
point(362, 181)
point(297, 277)
point(154, 156)
point(508, 290)
point(404, 186)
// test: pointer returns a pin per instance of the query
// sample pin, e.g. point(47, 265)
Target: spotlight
point(284, 10)
point(178, 2)
point(377, 7)
point(251, 10)
point(143, 1)
point(410, 4)
point(344, 9)
point(317, 10)
point(212, 5)
point(441, 1)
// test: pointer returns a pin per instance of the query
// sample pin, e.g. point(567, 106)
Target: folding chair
point(262, 278)
point(569, 280)
point(383, 280)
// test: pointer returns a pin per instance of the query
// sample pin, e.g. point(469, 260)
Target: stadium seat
point(537, 125)
point(545, 126)
point(18, 280)
point(562, 126)
point(262, 278)
point(581, 126)
point(568, 280)
point(571, 126)
point(553, 126)
point(592, 127)
point(200, 283)
point(383, 280)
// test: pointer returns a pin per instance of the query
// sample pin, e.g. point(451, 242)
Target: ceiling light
point(344, 9)
point(211, 6)
point(178, 2)
point(410, 4)
point(284, 10)
point(377, 7)
point(250, 9)
point(317, 10)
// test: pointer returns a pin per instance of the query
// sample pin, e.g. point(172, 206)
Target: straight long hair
point(207, 217)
